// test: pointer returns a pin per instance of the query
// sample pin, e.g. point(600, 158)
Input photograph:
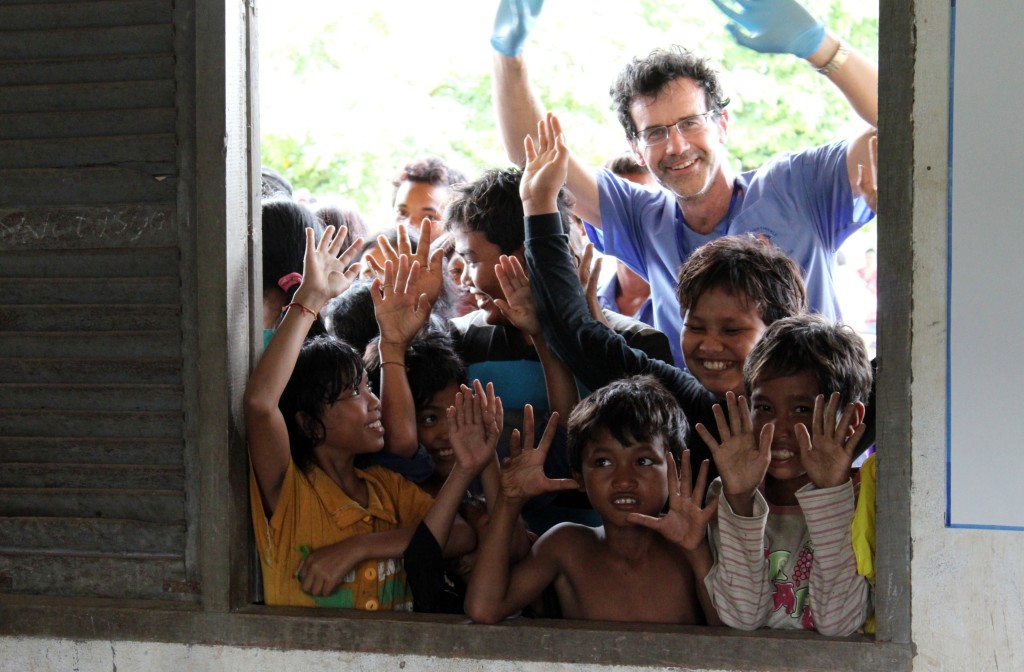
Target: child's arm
point(495, 590)
point(738, 582)
point(469, 430)
point(840, 596)
point(325, 568)
point(326, 273)
point(742, 459)
point(519, 308)
point(686, 525)
point(401, 312)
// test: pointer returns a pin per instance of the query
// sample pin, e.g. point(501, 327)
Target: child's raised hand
point(686, 523)
point(467, 431)
point(430, 279)
point(327, 269)
point(742, 459)
point(400, 310)
point(547, 166)
point(826, 450)
point(522, 472)
point(517, 306)
point(589, 273)
point(493, 412)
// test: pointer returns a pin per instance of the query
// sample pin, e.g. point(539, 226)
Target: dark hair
point(428, 170)
point(744, 266)
point(284, 239)
point(338, 214)
point(632, 409)
point(431, 362)
point(350, 317)
point(833, 353)
point(491, 205)
point(648, 77)
point(273, 184)
point(326, 368)
point(625, 164)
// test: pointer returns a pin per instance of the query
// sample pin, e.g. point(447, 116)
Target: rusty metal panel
point(90, 450)
point(144, 67)
point(122, 576)
point(93, 414)
point(49, 187)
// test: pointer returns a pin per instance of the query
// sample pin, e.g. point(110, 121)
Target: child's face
point(479, 278)
point(718, 332)
point(432, 430)
point(353, 423)
point(785, 401)
point(620, 479)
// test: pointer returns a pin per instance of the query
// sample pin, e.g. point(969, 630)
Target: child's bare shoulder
point(568, 540)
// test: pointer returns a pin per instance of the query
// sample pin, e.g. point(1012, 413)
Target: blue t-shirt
point(801, 202)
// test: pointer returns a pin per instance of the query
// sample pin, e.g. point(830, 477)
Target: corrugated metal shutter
point(92, 432)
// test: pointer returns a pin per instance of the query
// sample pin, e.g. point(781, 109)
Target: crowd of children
point(445, 418)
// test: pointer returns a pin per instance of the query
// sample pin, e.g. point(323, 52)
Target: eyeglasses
point(687, 127)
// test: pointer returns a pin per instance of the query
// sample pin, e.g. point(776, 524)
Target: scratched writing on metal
point(128, 224)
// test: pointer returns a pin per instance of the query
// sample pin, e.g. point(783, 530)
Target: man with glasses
point(673, 110)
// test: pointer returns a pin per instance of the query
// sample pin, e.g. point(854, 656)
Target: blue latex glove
point(513, 23)
point(773, 26)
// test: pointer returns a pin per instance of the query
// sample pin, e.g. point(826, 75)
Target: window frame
point(218, 194)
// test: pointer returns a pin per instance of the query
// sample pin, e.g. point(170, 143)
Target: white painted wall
point(37, 655)
point(967, 585)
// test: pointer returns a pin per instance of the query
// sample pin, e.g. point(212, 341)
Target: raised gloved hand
point(513, 23)
point(773, 26)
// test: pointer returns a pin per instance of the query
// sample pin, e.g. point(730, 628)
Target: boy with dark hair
point(782, 539)
point(624, 440)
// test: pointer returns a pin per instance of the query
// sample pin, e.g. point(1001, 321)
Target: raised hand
point(742, 459)
point(400, 310)
point(522, 472)
point(773, 26)
point(826, 451)
point(517, 306)
point(589, 272)
point(686, 523)
point(547, 166)
point(869, 187)
point(430, 280)
point(492, 412)
point(469, 429)
point(327, 269)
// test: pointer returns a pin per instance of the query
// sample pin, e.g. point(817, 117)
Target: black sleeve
point(593, 352)
point(433, 592)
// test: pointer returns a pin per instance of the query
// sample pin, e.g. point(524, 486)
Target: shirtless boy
point(624, 442)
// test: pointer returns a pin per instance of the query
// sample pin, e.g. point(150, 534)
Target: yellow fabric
point(313, 512)
point(863, 527)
